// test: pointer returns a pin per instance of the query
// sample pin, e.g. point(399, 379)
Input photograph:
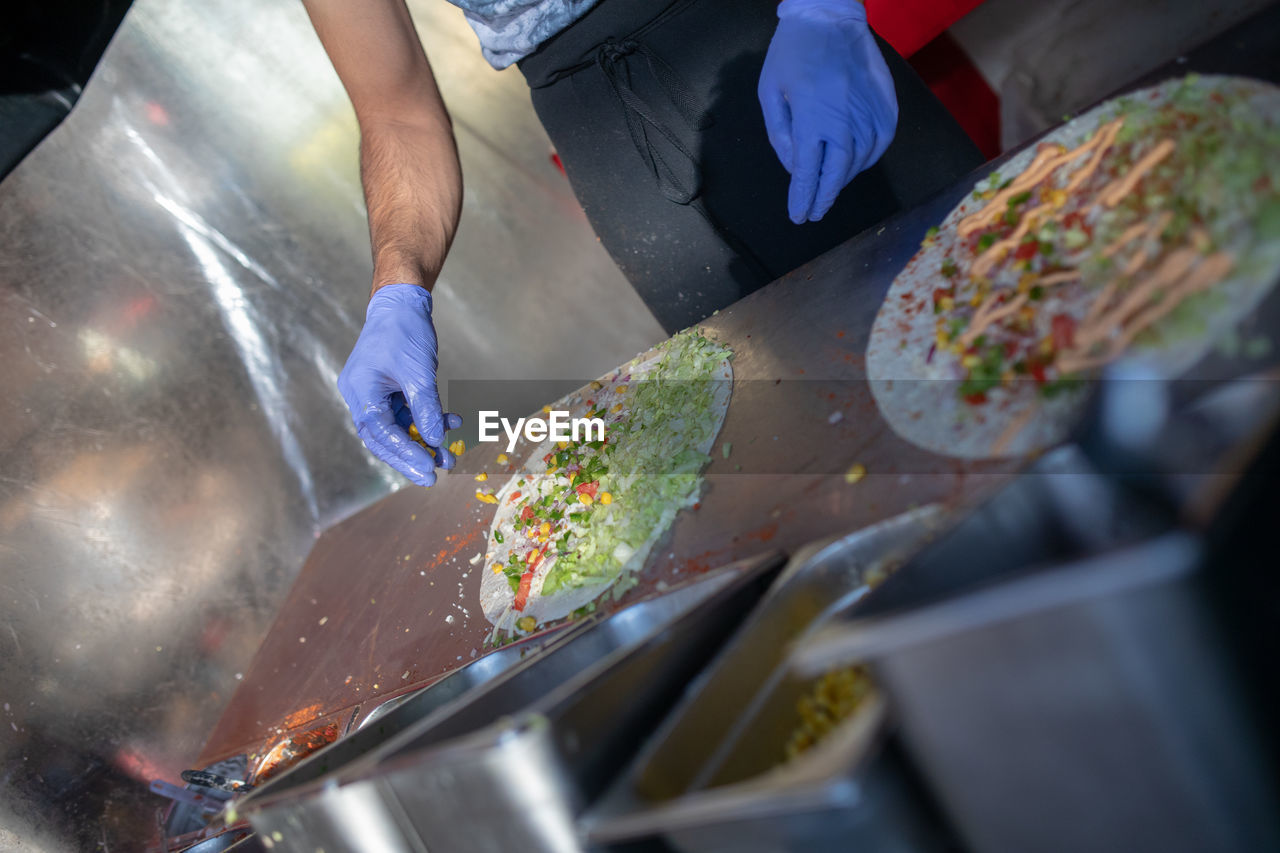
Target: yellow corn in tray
point(833, 698)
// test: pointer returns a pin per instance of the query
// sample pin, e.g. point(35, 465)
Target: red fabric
point(909, 25)
point(952, 76)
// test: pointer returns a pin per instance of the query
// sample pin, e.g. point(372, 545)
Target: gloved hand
point(828, 100)
point(389, 382)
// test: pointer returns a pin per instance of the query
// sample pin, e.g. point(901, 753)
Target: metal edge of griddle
point(358, 807)
point(327, 784)
point(743, 675)
point(479, 671)
point(417, 705)
point(549, 702)
point(477, 790)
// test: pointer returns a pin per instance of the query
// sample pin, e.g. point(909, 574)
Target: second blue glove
point(828, 100)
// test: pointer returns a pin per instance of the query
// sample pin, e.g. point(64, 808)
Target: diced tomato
point(526, 513)
point(522, 594)
point(514, 497)
point(589, 488)
point(1009, 349)
point(547, 459)
point(1063, 331)
point(1037, 372)
point(1026, 251)
point(976, 399)
point(1075, 219)
point(940, 294)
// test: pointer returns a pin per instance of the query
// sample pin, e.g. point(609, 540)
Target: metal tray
point(712, 776)
point(595, 689)
point(1090, 706)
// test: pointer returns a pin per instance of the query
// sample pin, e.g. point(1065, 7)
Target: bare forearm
point(413, 190)
point(408, 159)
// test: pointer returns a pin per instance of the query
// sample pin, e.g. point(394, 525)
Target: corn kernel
point(545, 528)
point(855, 473)
point(595, 385)
point(585, 499)
point(458, 447)
point(1057, 198)
point(1026, 282)
point(563, 445)
point(1046, 346)
point(616, 408)
point(526, 624)
point(486, 498)
point(942, 338)
point(502, 459)
point(606, 498)
point(621, 389)
point(481, 477)
point(946, 303)
point(970, 361)
point(497, 568)
point(413, 432)
point(546, 410)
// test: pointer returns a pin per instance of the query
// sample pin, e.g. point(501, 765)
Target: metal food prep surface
point(397, 585)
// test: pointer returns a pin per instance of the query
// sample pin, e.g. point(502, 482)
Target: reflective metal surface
point(183, 267)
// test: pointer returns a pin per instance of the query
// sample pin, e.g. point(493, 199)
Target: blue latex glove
point(389, 382)
point(828, 100)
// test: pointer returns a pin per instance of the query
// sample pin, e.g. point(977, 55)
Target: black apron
point(652, 107)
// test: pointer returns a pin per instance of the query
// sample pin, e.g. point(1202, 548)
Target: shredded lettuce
point(654, 461)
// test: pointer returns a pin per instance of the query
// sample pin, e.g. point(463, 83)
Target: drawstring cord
point(681, 182)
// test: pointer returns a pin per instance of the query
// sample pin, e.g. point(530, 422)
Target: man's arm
point(413, 190)
point(408, 158)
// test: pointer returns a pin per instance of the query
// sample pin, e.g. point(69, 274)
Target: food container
point(713, 776)
point(1091, 706)
point(509, 764)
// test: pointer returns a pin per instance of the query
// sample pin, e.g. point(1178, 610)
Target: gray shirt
point(510, 30)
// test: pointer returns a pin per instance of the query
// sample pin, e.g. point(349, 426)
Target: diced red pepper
point(1037, 372)
point(547, 459)
point(1063, 331)
point(526, 513)
point(1010, 348)
point(514, 497)
point(522, 594)
point(589, 488)
point(1026, 251)
point(976, 399)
